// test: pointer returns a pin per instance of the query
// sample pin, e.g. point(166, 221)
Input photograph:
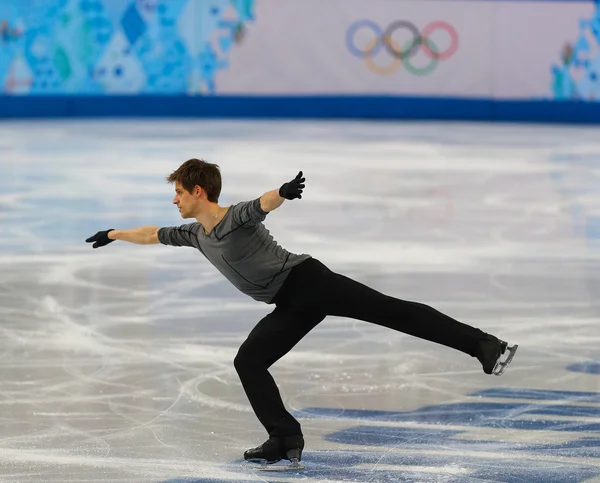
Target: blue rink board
point(301, 107)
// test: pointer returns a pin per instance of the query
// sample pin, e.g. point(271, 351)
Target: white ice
point(116, 364)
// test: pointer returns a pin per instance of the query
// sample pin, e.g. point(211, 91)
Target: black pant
point(310, 293)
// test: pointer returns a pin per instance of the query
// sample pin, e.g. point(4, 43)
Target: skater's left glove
point(293, 189)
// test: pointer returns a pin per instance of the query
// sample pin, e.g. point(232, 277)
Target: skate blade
point(501, 365)
point(295, 465)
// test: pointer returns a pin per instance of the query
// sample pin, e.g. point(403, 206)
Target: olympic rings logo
point(401, 55)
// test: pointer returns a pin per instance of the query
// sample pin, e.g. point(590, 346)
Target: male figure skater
point(302, 289)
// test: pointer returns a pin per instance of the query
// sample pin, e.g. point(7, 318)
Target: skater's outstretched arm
point(144, 235)
point(271, 200)
point(288, 191)
point(177, 236)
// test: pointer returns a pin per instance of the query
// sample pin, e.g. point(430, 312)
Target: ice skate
point(489, 353)
point(276, 449)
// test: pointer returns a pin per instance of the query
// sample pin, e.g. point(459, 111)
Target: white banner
point(474, 49)
point(490, 49)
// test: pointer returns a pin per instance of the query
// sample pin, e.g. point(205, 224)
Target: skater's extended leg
point(273, 337)
point(317, 286)
point(312, 285)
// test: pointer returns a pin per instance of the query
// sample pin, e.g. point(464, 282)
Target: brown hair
point(198, 172)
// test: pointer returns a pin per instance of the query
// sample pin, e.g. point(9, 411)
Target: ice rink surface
point(116, 364)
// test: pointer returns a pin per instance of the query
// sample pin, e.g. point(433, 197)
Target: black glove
point(101, 239)
point(293, 189)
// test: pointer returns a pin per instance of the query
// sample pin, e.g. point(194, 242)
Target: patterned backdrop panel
point(117, 46)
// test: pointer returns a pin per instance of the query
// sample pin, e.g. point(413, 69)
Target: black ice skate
point(489, 352)
point(276, 449)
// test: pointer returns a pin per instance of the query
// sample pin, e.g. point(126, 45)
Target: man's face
point(185, 201)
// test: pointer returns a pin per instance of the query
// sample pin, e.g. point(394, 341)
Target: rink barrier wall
point(301, 107)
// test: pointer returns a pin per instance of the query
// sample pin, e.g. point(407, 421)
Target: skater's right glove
point(293, 189)
point(101, 239)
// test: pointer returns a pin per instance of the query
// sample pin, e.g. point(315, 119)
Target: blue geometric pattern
point(133, 24)
point(83, 47)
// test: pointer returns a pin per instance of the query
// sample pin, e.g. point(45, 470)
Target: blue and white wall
point(461, 59)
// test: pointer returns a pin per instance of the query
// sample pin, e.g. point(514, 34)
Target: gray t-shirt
point(241, 248)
